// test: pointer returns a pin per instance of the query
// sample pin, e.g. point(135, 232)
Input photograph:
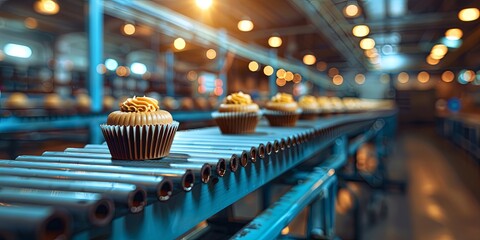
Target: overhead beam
point(326, 19)
point(286, 31)
point(413, 22)
point(470, 42)
point(175, 24)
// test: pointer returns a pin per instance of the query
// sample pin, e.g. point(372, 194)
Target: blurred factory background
point(65, 64)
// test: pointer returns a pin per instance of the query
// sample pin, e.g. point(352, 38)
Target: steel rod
point(125, 195)
point(270, 223)
point(161, 187)
point(33, 222)
point(190, 163)
point(178, 148)
point(187, 177)
point(232, 159)
point(86, 208)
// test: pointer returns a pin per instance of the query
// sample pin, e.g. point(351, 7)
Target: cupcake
point(140, 130)
point(325, 106)
point(237, 115)
point(282, 110)
point(309, 107)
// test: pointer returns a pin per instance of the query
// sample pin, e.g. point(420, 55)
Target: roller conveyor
point(190, 193)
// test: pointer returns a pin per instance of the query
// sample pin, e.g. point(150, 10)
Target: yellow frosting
point(139, 104)
point(308, 99)
point(308, 102)
point(282, 98)
point(238, 98)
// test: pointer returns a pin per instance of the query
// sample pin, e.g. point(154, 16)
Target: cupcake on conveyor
point(309, 106)
point(140, 130)
point(282, 110)
point(238, 114)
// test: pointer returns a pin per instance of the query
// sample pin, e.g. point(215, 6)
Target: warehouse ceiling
point(404, 30)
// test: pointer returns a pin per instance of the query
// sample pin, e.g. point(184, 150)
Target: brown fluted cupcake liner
point(282, 119)
point(309, 114)
point(139, 142)
point(236, 122)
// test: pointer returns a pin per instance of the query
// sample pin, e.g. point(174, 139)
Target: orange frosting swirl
point(139, 104)
point(283, 98)
point(238, 98)
point(139, 111)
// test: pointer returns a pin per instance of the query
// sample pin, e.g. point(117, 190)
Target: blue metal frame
point(184, 210)
point(95, 53)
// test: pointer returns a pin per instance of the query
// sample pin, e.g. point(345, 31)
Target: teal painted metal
point(33, 222)
point(270, 223)
point(95, 53)
point(170, 73)
point(170, 219)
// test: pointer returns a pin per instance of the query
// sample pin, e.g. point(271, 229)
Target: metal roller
point(86, 208)
point(124, 195)
point(33, 222)
point(158, 186)
point(187, 177)
point(105, 154)
point(106, 151)
point(178, 148)
point(220, 165)
point(231, 142)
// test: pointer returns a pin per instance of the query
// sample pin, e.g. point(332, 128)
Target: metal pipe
point(179, 148)
point(86, 208)
point(161, 187)
point(105, 154)
point(125, 195)
point(33, 222)
point(220, 164)
point(270, 223)
point(186, 176)
point(237, 141)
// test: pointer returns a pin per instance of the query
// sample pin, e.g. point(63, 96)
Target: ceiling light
point(275, 41)
point(253, 66)
point(367, 43)
point(204, 4)
point(128, 29)
point(360, 30)
point(454, 34)
point(268, 70)
point(281, 73)
point(211, 54)
point(297, 78)
point(17, 50)
point(322, 66)
point(309, 59)
point(448, 76)
point(432, 61)
point(351, 10)
point(46, 7)
point(138, 68)
point(111, 64)
point(289, 76)
point(281, 82)
point(468, 14)
point(423, 77)
point(360, 79)
point(439, 50)
point(179, 43)
point(337, 80)
point(333, 71)
point(403, 77)
point(371, 52)
point(245, 25)
point(30, 23)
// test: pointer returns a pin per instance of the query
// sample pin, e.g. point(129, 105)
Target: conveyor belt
point(205, 172)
